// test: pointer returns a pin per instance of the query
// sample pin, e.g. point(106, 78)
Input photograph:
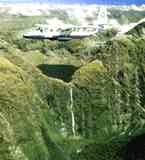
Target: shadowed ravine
point(63, 72)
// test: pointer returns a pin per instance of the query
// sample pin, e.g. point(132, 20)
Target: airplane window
point(37, 28)
point(69, 29)
point(90, 29)
point(59, 30)
point(41, 30)
point(94, 29)
point(77, 29)
point(66, 32)
point(84, 29)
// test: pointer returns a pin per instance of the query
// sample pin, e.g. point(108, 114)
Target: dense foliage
point(78, 100)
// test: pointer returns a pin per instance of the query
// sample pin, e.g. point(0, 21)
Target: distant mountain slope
point(138, 30)
point(76, 14)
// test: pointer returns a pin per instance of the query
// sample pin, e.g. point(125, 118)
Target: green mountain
point(76, 100)
point(138, 30)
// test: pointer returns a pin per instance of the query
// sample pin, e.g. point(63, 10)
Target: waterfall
point(71, 110)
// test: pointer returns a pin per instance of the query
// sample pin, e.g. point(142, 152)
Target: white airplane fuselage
point(59, 31)
point(62, 33)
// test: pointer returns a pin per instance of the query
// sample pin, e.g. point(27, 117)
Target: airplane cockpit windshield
point(39, 29)
point(45, 29)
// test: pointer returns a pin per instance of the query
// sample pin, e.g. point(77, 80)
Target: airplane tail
point(102, 16)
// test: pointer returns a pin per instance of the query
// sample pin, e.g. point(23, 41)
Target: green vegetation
point(138, 31)
point(125, 16)
point(24, 129)
point(70, 100)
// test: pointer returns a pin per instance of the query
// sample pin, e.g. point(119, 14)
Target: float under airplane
point(62, 33)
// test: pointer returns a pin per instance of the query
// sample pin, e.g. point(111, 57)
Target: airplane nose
point(26, 36)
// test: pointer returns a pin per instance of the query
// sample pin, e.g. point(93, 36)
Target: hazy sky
point(138, 2)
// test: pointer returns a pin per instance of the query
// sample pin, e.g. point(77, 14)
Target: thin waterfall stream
point(71, 110)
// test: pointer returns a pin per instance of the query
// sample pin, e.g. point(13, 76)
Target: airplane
point(65, 32)
point(62, 33)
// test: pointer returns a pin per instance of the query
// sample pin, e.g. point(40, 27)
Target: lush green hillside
point(138, 30)
point(125, 16)
point(25, 125)
point(71, 100)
